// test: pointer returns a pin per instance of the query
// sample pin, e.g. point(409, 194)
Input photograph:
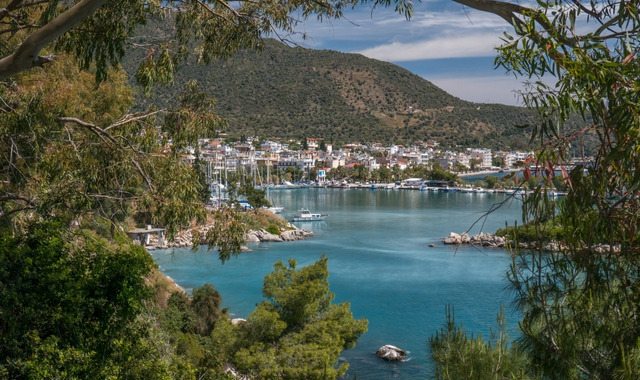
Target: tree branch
point(512, 13)
point(15, 4)
point(129, 118)
point(503, 9)
point(26, 55)
point(104, 135)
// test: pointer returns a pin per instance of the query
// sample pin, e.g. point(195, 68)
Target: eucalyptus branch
point(129, 118)
point(226, 5)
point(16, 197)
point(27, 54)
point(18, 28)
point(15, 4)
point(512, 12)
point(143, 173)
point(591, 12)
point(211, 11)
point(606, 25)
point(73, 143)
point(114, 197)
point(104, 135)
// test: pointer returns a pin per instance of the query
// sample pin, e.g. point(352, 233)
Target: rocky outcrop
point(494, 241)
point(253, 236)
point(185, 238)
point(391, 353)
point(295, 234)
point(481, 239)
point(288, 235)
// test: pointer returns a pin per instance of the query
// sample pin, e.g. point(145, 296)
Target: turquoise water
point(380, 261)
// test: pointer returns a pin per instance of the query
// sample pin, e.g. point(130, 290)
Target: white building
point(483, 156)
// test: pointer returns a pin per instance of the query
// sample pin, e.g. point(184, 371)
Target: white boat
point(305, 215)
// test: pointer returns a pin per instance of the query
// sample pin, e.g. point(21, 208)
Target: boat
point(305, 215)
point(275, 209)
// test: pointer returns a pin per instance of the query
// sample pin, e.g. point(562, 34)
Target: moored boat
point(304, 215)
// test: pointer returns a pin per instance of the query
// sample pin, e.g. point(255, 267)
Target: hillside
point(291, 92)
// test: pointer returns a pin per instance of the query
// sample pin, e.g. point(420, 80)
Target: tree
point(474, 163)
point(459, 356)
point(498, 161)
point(96, 31)
point(257, 198)
point(72, 306)
point(82, 155)
point(298, 333)
point(491, 181)
point(205, 304)
point(573, 324)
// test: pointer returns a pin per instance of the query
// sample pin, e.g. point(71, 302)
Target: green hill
point(289, 92)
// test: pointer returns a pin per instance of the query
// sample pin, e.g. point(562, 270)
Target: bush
point(273, 229)
point(549, 231)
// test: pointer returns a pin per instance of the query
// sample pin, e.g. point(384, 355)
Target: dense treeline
point(388, 175)
point(76, 305)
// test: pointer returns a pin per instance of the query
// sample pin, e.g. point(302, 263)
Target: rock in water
point(391, 353)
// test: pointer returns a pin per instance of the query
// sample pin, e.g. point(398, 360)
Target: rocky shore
point(185, 238)
point(482, 239)
point(494, 241)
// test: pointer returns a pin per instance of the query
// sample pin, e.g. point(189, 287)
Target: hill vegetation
point(292, 92)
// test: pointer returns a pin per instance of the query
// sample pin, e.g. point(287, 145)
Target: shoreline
point(486, 172)
point(184, 238)
point(488, 240)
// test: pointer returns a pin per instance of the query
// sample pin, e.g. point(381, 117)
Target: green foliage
point(580, 306)
point(298, 296)
point(227, 233)
point(192, 118)
point(273, 229)
point(71, 306)
point(189, 324)
point(257, 198)
point(264, 219)
point(491, 182)
point(248, 100)
point(360, 173)
point(458, 356)
point(543, 232)
point(96, 33)
point(298, 333)
point(205, 304)
point(81, 154)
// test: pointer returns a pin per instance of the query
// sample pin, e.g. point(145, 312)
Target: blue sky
point(444, 42)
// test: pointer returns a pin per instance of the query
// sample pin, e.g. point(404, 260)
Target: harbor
point(381, 260)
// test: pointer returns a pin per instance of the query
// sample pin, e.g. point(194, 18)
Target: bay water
point(386, 259)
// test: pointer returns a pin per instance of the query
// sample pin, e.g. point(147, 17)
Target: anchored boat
point(304, 215)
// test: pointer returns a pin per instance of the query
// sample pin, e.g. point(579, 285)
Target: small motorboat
point(304, 215)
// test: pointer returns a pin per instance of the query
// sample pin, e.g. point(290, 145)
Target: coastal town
point(311, 161)
point(314, 160)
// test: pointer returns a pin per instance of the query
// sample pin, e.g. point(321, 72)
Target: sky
point(446, 43)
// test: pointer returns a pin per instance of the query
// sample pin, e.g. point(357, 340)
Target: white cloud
point(476, 45)
point(383, 25)
point(458, 20)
